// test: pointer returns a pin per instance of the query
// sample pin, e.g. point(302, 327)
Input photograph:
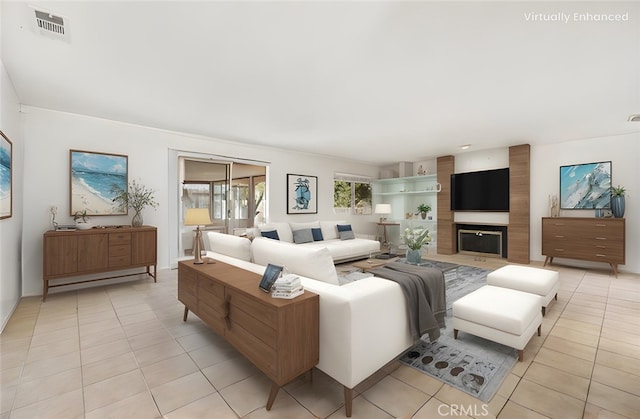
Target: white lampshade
point(383, 209)
point(197, 217)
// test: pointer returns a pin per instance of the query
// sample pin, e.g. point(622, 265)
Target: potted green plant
point(137, 197)
point(423, 209)
point(82, 220)
point(617, 201)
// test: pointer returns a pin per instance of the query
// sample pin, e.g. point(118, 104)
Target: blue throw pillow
point(317, 234)
point(344, 227)
point(271, 234)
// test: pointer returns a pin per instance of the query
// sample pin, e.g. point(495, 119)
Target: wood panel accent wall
point(518, 233)
point(446, 226)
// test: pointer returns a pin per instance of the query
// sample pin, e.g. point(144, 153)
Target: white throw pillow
point(227, 244)
point(310, 262)
point(302, 226)
point(329, 229)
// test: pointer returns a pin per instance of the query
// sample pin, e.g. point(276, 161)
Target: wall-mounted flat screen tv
point(487, 190)
point(585, 186)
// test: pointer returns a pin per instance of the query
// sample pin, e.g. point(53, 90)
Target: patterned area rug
point(471, 364)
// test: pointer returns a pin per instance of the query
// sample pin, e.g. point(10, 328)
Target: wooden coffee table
point(373, 263)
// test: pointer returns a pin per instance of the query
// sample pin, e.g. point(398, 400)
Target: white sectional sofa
point(302, 234)
point(363, 324)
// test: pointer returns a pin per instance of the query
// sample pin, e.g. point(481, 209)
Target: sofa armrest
point(353, 318)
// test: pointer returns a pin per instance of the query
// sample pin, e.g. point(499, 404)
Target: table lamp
point(383, 209)
point(197, 217)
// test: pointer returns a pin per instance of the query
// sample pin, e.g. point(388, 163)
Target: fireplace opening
point(485, 240)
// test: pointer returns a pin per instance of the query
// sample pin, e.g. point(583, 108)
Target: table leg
point(272, 395)
point(186, 311)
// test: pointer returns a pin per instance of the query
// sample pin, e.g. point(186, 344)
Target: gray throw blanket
point(424, 289)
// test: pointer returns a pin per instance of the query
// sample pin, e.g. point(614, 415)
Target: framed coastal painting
point(302, 194)
point(93, 178)
point(6, 175)
point(585, 186)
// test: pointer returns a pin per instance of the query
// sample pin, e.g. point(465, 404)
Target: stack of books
point(288, 286)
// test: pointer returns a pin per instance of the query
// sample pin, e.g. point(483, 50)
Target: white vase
point(83, 225)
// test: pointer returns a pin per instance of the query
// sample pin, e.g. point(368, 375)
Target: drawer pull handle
point(559, 237)
point(601, 247)
point(600, 255)
point(559, 250)
point(601, 225)
point(601, 238)
point(558, 224)
point(226, 309)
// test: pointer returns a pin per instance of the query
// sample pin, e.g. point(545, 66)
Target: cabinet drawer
point(210, 287)
point(187, 282)
point(119, 238)
point(124, 260)
point(260, 354)
point(265, 314)
point(119, 250)
point(212, 316)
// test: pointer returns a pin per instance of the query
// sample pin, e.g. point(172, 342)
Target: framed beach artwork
point(302, 194)
point(93, 177)
point(585, 186)
point(6, 177)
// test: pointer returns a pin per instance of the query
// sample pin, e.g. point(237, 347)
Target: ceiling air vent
point(51, 26)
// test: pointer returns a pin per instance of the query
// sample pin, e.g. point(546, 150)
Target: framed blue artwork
point(6, 182)
point(92, 178)
point(585, 186)
point(302, 194)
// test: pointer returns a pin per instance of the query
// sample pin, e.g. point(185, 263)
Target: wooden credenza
point(82, 252)
point(592, 239)
point(279, 336)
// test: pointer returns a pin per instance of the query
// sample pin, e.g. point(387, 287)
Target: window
point(351, 194)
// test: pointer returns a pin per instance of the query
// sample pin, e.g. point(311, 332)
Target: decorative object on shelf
point(554, 209)
point(6, 178)
point(415, 239)
point(197, 217)
point(137, 197)
point(617, 201)
point(302, 194)
point(421, 171)
point(82, 220)
point(93, 177)
point(53, 211)
point(423, 209)
point(585, 186)
point(383, 210)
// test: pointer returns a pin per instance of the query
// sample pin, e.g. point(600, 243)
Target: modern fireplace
point(484, 240)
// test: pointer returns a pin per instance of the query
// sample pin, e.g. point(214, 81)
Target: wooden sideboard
point(83, 252)
point(279, 336)
point(592, 239)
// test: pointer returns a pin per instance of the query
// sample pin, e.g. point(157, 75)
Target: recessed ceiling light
point(634, 117)
point(465, 147)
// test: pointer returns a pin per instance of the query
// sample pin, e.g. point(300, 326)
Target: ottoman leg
point(544, 311)
point(539, 330)
point(520, 354)
point(455, 333)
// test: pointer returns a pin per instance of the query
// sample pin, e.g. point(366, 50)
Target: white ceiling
point(374, 81)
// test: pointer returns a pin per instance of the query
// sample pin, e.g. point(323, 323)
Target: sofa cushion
point(302, 226)
point(329, 230)
point(317, 234)
point(345, 232)
point(270, 234)
point(310, 262)
point(227, 244)
point(302, 236)
point(284, 230)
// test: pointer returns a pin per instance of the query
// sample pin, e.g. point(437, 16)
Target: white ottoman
point(501, 315)
point(542, 282)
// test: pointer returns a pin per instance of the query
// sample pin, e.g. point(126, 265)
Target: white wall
point(11, 228)
point(48, 136)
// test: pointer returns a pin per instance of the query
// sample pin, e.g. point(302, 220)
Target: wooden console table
point(279, 336)
point(82, 252)
point(592, 239)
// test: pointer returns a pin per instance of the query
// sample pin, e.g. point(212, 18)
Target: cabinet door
point(144, 248)
point(93, 252)
point(60, 255)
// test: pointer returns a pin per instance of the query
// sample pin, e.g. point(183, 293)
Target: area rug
point(471, 364)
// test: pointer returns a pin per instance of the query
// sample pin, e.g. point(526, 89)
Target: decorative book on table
point(289, 286)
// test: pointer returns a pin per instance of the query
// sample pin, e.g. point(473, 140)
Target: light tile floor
point(123, 351)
